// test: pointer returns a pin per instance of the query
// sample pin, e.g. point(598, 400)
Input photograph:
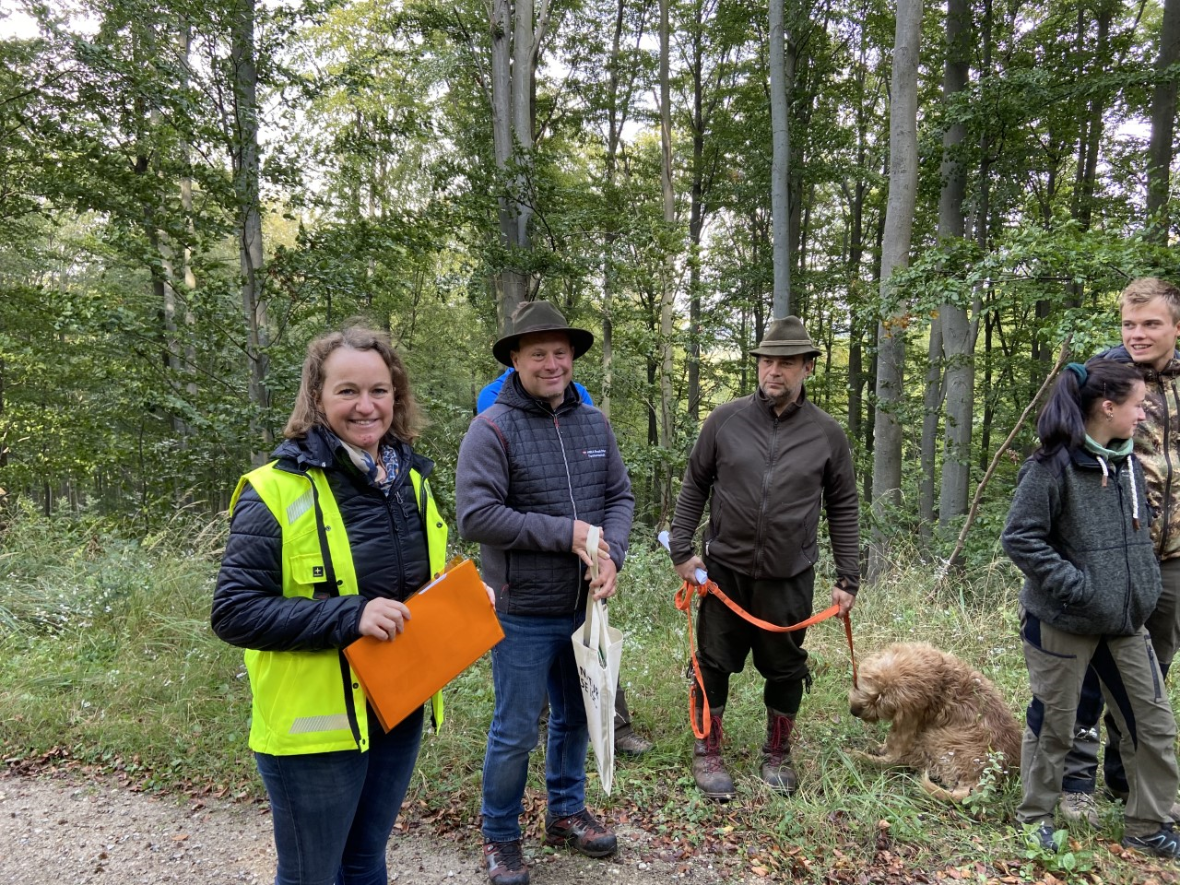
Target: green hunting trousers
point(1133, 688)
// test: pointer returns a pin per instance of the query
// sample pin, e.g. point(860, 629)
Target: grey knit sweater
point(1088, 569)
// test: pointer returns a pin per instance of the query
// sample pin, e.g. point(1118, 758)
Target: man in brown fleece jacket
point(766, 463)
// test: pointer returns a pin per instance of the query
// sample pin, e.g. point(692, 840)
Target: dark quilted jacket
point(525, 473)
point(385, 535)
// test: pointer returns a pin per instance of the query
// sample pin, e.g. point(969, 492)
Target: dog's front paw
point(877, 756)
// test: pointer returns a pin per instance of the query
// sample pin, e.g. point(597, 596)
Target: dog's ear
point(904, 685)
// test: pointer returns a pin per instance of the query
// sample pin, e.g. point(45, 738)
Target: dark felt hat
point(786, 337)
point(539, 316)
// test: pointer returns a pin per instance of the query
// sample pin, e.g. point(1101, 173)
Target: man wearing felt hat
point(766, 464)
point(536, 471)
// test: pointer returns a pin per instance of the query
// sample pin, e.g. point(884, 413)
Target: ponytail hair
point(1078, 391)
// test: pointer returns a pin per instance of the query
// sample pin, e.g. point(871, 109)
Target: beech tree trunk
point(780, 163)
point(616, 115)
point(895, 248)
point(958, 342)
point(1163, 125)
point(516, 44)
point(246, 188)
point(667, 286)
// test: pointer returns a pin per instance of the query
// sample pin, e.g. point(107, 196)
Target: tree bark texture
point(895, 247)
point(1163, 126)
point(958, 342)
point(516, 44)
point(246, 188)
point(667, 285)
point(780, 163)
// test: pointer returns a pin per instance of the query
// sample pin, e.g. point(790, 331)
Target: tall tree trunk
point(667, 287)
point(855, 195)
point(246, 188)
point(696, 216)
point(147, 164)
point(188, 274)
point(516, 45)
point(1163, 124)
point(903, 188)
point(958, 343)
point(928, 447)
point(1090, 136)
point(872, 330)
point(179, 281)
point(856, 326)
point(615, 119)
point(780, 163)
point(509, 286)
point(990, 321)
point(856, 377)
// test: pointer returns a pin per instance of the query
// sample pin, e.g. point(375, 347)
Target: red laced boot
point(776, 753)
point(707, 768)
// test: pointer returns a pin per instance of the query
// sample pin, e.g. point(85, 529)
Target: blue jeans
point(534, 658)
point(333, 812)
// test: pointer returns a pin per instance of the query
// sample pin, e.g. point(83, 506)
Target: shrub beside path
point(73, 829)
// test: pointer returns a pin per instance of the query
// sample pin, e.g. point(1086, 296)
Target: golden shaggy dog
point(947, 717)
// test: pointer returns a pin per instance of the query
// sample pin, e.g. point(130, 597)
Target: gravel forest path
point(72, 830)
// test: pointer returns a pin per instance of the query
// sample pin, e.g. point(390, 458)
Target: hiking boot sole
point(572, 842)
point(719, 795)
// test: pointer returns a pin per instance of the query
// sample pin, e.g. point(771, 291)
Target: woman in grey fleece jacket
point(1078, 530)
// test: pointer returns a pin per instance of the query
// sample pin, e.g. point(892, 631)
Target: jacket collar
point(513, 394)
point(1087, 460)
point(1171, 370)
point(322, 448)
point(767, 404)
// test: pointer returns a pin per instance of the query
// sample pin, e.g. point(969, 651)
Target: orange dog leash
point(684, 598)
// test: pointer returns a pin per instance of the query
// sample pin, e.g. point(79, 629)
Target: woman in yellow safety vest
point(326, 542)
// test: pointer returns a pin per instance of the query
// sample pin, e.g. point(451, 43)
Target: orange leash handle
point(684, 598)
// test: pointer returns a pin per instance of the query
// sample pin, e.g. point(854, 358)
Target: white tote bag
point(598, 649)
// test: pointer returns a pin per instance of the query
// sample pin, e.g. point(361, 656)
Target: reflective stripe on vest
point(310, 701)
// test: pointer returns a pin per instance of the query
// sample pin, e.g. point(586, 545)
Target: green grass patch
point(107, 660)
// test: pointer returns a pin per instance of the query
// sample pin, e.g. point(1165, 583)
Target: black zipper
point(771, 457)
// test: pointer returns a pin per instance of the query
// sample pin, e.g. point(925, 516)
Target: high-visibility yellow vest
point(311, 701)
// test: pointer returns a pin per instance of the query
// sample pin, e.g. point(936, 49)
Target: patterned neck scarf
point(364, 462)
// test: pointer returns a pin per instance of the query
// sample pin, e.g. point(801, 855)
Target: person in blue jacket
point(628, 742)
point(537, 472)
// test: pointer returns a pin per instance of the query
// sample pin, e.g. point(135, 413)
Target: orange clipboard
point(452, 624)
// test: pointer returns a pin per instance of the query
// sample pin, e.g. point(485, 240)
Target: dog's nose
point(856, 709)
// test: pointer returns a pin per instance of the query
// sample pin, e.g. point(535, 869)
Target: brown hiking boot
point(505, 863)
point(707, 768)
point(583, 832)
point(776, 753)
point(629, 742)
